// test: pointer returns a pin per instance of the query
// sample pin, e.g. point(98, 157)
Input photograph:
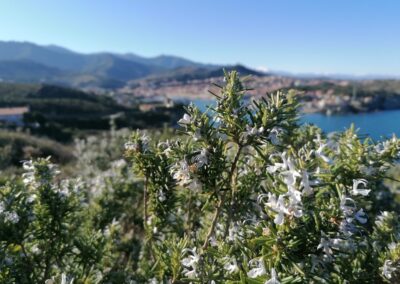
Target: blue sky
point(320, 36)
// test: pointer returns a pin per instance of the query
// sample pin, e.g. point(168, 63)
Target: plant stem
point(29, 262)
point(215, 219)
point(145, 213)
point(233, 184)
point(223, 197)
point(189, 215)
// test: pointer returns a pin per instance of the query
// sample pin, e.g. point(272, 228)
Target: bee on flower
point(181, 173)
point(202, 158)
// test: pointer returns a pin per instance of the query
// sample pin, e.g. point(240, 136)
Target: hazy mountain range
point(29, 62)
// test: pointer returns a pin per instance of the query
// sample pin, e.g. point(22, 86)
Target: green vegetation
point(61, 113)
point(244, 195)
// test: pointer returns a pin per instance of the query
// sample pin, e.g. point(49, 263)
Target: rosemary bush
point(249, 196)
point(43, 228)
point(244, 195)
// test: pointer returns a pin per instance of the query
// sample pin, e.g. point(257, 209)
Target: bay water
point(377, 125)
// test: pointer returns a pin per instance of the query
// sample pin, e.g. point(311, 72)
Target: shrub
point(43, 229)
point(252, 197)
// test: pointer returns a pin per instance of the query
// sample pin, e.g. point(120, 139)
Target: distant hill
point(163, 61)
point(61, 112)
point(29, 62)
point(184, 74)
point(63, 100)
point(50, 56)
point(27, 71)
point(114, 67)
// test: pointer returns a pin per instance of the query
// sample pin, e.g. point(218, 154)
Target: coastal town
point(326, 96)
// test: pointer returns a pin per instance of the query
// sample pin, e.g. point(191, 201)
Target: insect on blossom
point(182, 174)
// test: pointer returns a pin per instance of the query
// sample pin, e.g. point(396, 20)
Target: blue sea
point(377, 125)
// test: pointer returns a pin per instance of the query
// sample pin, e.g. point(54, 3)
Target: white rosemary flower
point(28, 165)
point(325, 244)
point(287, 169)
point(277, 205)
point(274, 135)
point(319, 152)
point(213, 241)
point(63, 280)
point(380, 219)
point(11, 216)
point(360, 191)
point(202, 158)
point(28, 178)
point(347, 205)
point(186, 119)
point(252, 131)
point(305, 183)
point(161, 196)
point(274, 278)
point(278, 166)
point(392, 246)
point(153, 281)
point(2, 207)
point(141, 144)
point(294, 208)
point(382, 147)
point(197, 135)
point(190, 263)
point(35, 249)
point(233, 232)
point(258, 268)
point(230, 264)
point(388, 269)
